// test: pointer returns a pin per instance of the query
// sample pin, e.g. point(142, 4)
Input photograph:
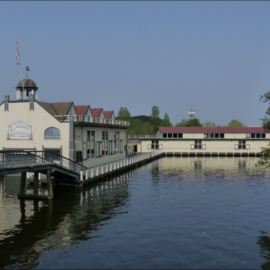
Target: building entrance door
point(135, 149)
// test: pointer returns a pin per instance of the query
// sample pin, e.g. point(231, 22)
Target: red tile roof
point(108, 114)
point(212, 129)
point(81, 110)
point(96, 112)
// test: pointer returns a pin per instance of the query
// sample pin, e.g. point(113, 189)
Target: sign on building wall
point(19, 130)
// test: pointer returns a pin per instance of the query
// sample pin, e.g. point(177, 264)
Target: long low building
point(203, 140)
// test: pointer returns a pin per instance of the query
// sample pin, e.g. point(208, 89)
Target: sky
point(213, 56)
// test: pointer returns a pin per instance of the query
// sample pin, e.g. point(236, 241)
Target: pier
point(60, 171)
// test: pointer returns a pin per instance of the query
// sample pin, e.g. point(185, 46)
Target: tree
point(155, 120)
point(264, 158)
point(264, 161)
point(266, 120)
point(166, 121)
point(209, 124)
point(235, 123)
point(195, 122)
point(264, 243)
point(139, 127)
point(124, 114)
point(182, 123)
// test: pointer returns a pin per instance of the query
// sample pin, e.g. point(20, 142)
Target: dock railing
point(203, 151)
point(9, 158)
point(119, 164)
point(90, 119)
point(141, 136)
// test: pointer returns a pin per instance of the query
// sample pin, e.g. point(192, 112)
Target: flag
point(17, 55)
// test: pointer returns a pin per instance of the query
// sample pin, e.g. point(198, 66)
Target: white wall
point(40, 119)
point(98, 130)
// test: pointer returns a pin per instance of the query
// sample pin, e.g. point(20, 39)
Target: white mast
point(21, 69)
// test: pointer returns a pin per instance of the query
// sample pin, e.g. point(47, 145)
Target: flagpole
point(21, 70)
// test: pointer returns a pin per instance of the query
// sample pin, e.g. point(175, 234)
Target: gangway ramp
point(37, 162)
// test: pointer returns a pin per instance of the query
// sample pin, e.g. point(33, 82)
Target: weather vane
point(27, 69)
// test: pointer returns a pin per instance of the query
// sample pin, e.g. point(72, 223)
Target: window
point(52, 133)
point(90, 143)
point(103, 148)
point(258, 135)
point(90, 135)
point(98, 149)
point(214, 135)
point(121, 146)
point(105, 137)
point(154, 145)
point(172, 135)
point(78, 156)
point(106, 148)
point(92, 149)
point(116, 141)
point(111, 143)
point(242, 145)
point(88, 150)
point(115, 147)
point(198, 145)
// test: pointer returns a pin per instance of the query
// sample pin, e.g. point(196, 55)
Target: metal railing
point(138, 136)
point(12, 159)
point(90, 119)
point(210, 151)
point(112, 166)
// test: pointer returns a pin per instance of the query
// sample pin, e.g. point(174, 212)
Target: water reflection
point(171, 213)
point(41, 227)
point(264, 243)
point(209, 168)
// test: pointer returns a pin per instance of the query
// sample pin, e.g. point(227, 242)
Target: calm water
point(171, 213)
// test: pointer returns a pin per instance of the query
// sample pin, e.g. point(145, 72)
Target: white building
point(203, 140)
point(88, 136)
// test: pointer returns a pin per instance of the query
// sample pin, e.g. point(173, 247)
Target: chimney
point(6, 102)
point(31, 101)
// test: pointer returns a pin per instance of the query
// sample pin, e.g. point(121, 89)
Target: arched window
point(52, 133)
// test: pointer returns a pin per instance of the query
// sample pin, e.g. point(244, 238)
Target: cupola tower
point(28, 87)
